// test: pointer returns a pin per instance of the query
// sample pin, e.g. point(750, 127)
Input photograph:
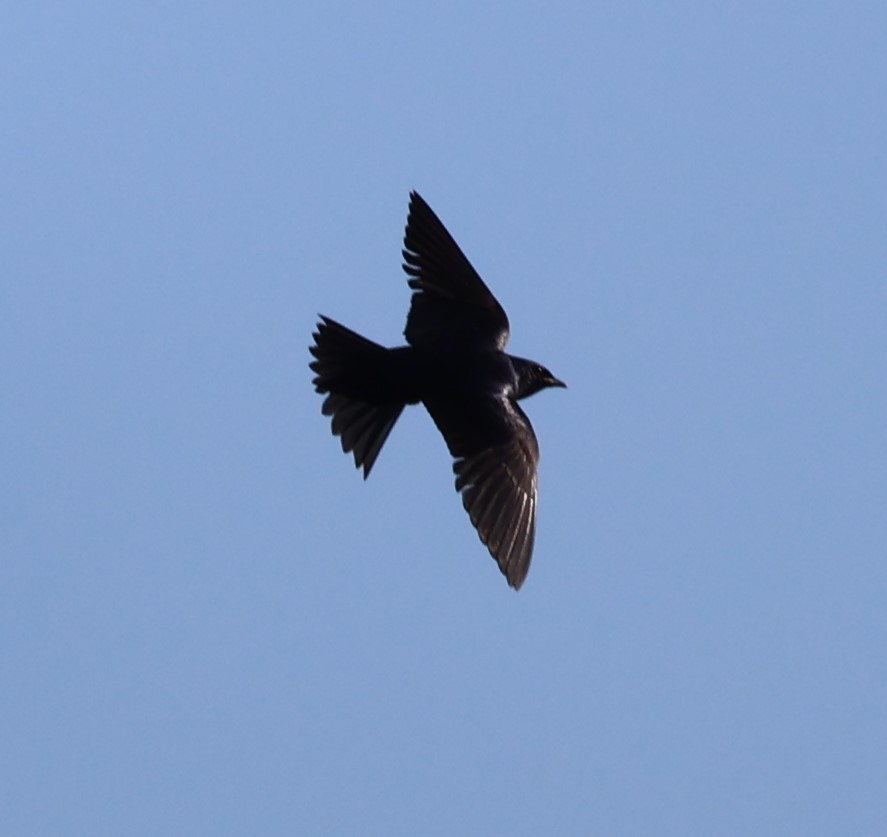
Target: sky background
point(209, 624)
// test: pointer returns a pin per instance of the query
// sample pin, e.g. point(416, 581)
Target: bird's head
point(533, 377)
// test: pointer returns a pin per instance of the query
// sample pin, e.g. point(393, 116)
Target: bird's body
point(454, 365)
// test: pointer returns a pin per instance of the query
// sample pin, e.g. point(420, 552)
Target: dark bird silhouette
point(455, 365)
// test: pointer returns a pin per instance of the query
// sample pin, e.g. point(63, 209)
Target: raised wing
point(451, 306)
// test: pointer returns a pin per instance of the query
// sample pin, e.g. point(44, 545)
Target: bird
point(454, 364)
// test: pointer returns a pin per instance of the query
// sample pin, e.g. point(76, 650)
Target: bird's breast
point(464, 374)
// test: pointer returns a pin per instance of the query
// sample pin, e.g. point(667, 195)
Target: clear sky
point(209, 624)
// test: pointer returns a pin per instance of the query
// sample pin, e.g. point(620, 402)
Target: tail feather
point(350, 370)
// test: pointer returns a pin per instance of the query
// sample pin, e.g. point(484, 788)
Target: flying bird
point(454, 364)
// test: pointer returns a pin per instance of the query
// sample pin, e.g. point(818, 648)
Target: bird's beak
point(554, 382)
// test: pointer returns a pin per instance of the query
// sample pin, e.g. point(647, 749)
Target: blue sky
point(212, 625)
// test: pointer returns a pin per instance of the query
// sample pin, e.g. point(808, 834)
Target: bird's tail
point(355, 375)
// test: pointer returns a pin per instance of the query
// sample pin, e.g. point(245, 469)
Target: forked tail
point(354, 374)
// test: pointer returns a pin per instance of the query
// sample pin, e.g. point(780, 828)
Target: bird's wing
point(496, 469)
point(451, 305)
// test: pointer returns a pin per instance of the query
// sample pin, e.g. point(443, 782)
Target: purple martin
point(456, 366)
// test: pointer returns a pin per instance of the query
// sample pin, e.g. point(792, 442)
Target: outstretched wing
point(451, 306)
point(496, 469)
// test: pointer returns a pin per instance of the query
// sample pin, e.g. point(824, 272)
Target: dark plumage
point(455, 365)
